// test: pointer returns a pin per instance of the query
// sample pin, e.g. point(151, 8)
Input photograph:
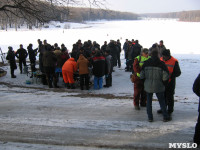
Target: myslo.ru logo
point(182, 145)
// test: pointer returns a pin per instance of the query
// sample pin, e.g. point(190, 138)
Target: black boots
point(13, 76)
point(108, 81)
point(55, 83)
point(67, 85)
point(12, 73)
point(70, 85)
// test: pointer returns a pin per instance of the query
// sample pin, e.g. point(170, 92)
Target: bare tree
point(41, 10)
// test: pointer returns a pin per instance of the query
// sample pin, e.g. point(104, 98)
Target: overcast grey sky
point(151, 6)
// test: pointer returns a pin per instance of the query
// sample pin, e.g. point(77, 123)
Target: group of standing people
point(154, 71)
point(90, 56)
point(55, 61)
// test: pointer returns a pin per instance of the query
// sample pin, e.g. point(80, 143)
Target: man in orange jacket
point(68, 69)
point(174, 71)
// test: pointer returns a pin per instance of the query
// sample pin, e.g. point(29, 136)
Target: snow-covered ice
point(180, 37)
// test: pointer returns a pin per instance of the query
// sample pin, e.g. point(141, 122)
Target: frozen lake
point(179, 37)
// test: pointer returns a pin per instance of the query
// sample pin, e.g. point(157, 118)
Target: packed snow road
point(58, 118)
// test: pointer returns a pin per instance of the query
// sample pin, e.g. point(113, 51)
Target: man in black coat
point(104, 47)
point(32, 57)
point(98, 63)
point(11, 58)
point(125, 48)
point(112, 47)
point(21, 55)
point(136, 49)
point(196, 90)
point(119, 49)
point(49, 62)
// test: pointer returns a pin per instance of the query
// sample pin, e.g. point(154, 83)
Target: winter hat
point(166, 52)
point(10, 48)
point(154, 45)
point(145, 50)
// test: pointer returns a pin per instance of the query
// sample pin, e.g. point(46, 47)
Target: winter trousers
point(22, 61)
point(114, 58)
point(84, 80)
point(139, 96)
point(129, 65)
point(41, 63)
point(161, 99)
point(50, 76)
point(169, 96)
point(118, 60)
point(109, 80)
point(12, 72)
point(33, 66)
point(98, 82)
point(68, 77)
point(12, 69)
point(196, 138)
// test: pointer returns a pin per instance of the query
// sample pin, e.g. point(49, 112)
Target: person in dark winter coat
point(109, 68)
point(98, 63)
point(11, 58)
point(104, 47)
point(155, 73)
point(95, 45)
point(87, 49)
point(129, 58)
point(196, 90)
point(58, 69)
point(64, 54)
point(32, 57)
point(153, 48)
point(136, 49)
point(119, 49)
point(125, 47)
point(113, 51)
point(75, 51)
point(49, 63)
point(174, 72)
point(41, 50)
point(21, 55)
point(161, 48)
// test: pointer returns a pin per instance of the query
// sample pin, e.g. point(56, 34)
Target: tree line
point(189, 16)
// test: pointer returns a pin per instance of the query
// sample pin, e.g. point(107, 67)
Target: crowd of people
point(154, 70)
point(55, 61)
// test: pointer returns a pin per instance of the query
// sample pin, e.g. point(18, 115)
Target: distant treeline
point(190, 16)
point(85, 14)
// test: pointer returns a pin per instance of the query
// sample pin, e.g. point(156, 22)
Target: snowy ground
point(56, 119)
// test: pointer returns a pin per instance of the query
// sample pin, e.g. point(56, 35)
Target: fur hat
point(166, 52)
